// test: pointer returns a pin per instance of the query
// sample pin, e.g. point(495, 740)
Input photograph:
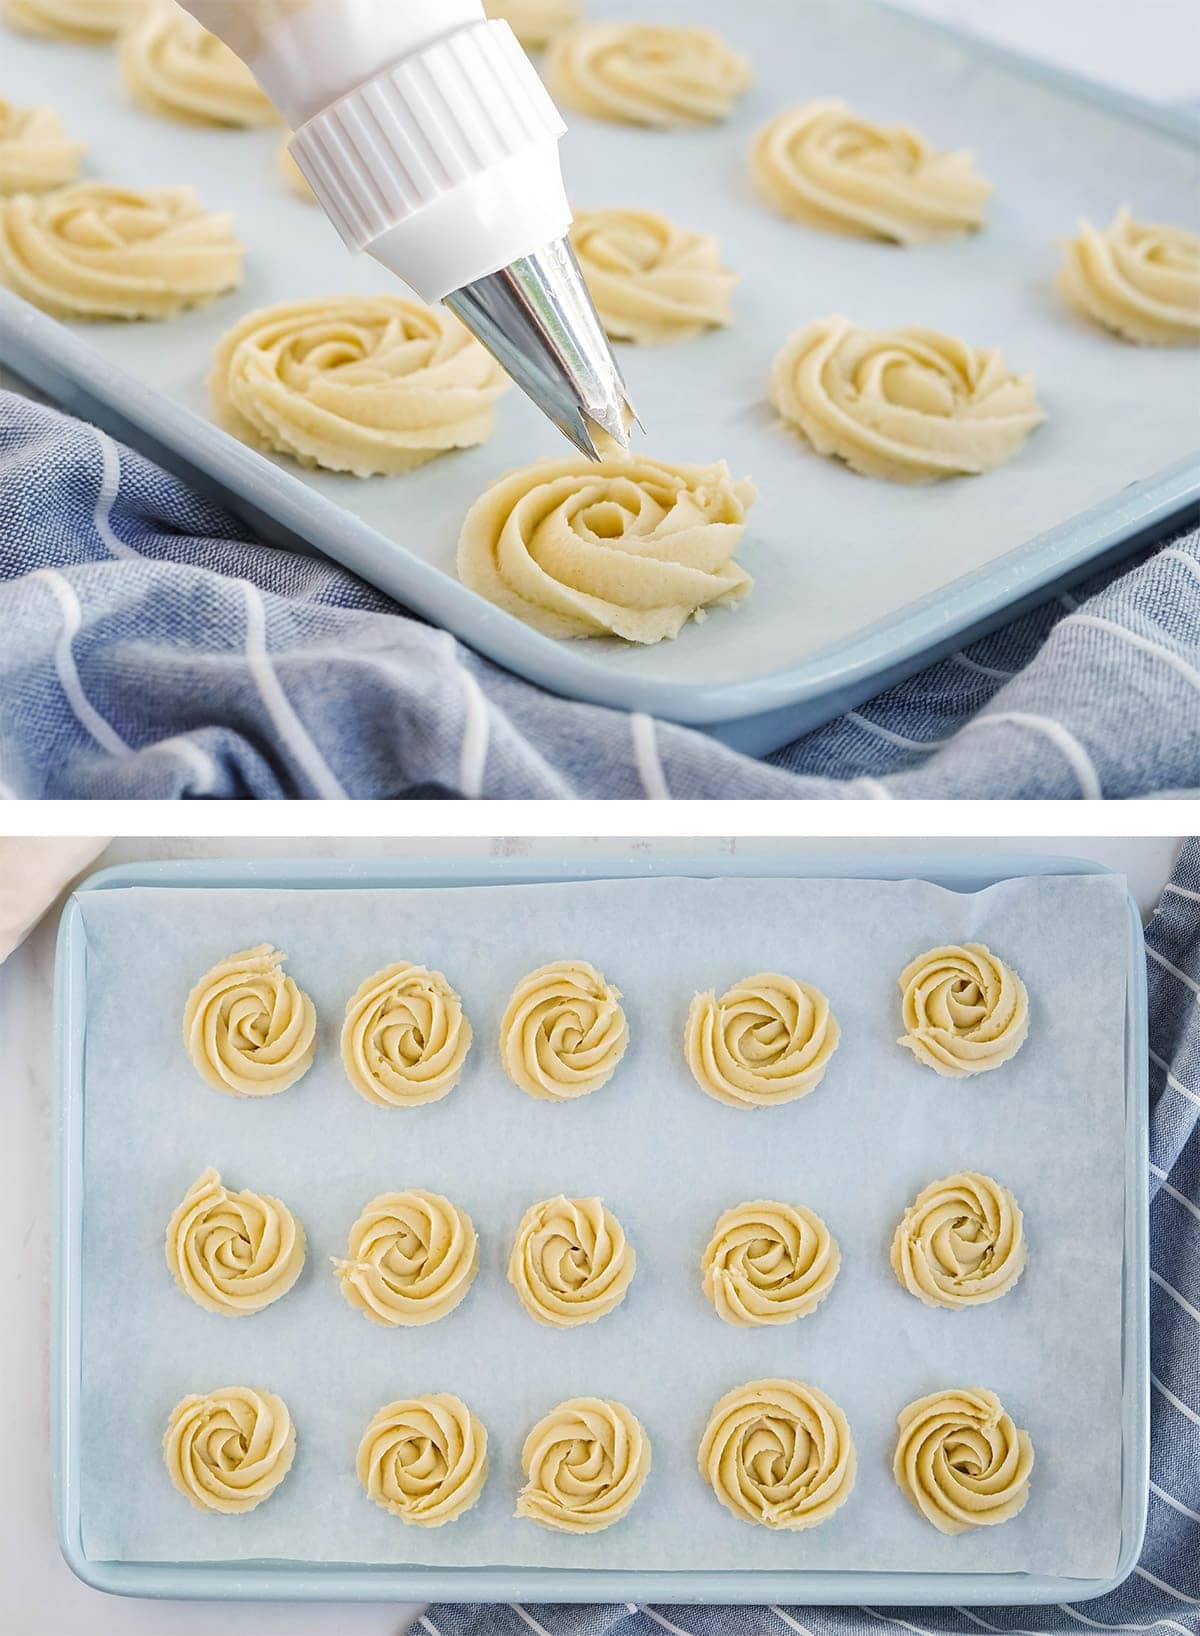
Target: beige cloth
point(33, 871)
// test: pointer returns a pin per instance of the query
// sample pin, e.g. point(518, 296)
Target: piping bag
point(431, 144)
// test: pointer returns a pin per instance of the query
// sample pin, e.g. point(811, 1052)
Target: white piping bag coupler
point(431, 143)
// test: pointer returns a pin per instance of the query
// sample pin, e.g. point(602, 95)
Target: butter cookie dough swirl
point(824, 165)
point(909, 405)
point(405, 1038)
point(1140, 280)
point(629, 547)
point(570, 1261)
point(97, 251)
point(585, 1464)
point(563, 1031)
point(411, 1259)
point(652, 282)
point(960, 1243)
point(778, 1453)
point(768, 1263)
point(174, 67)
point(424, 1459)
point(965, 1011)
point(961, 1461)
point(232, 1252)
point(373, 385)
point(646, 74)
point(249, 1030)
point(83, 20)
point(764, 1042)
point(36, 153)
point(230, 1449)
point(534, 22)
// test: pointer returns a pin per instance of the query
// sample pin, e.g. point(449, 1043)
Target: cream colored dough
point(630, 547)
point(1140, 280)
point(83, 20)
point(172, 66)
point(960, 1243)
point(405, 1038)
point(824, 165)
point(233, 1253)
point(230, 1449)
point(411, 1259)
point(534, 22)
point(291, 173)
point(764, 1042)
point(965, 1011)
point(961, 1461)
point(646, 74)
point(778, 1453)
point(247, 1027)
point(424, 1459)
point(910, 405)
point(373, 385)
point(652, 282)
point(585, 1464)
point(768, 1263)
point(570, 1261)
point(563, 1031)
point(35, 152)
point(96, 251)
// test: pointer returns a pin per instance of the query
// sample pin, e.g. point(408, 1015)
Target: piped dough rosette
point(651, 281)
point(768, 1263)
point(534, 22)
point(910, 405)
point(405, 1038)
point(372, 385)
point(646, 74)
point(97, 251)
point(571, 1262)
point(764, 1042)
point(630, 547)
point(563, 1031)
point(779, 1453)
point(424, 1459)
point(960, 1243)
point(824, 165)
point(961, 1461)
point(229, 1450)
point(173, 66)
point(584, 1464)
point(411, 1259)
point(249, 1030)
point(1139, 279)
point(83, 20)
point(233, 1252)
point(36, 153)
point(965, 1011)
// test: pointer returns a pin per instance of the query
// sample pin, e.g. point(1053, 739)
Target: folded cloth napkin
point(1162, 1594)
point(153, 648)
point(33, 871)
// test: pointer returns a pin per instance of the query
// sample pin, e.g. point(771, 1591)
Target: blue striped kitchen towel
point(152, 648)
point(1162, 1594)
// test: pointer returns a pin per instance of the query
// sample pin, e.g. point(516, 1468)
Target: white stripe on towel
point(1157, 649)
point(872, 787)
point(1182, 891)
point(982, 670)
point(272, 695)
point(529, 1619)
point(792, 1624)
point(678, 1630)
point(64, 664)
point(1190, 563)
point(1161, 960)
point(201, 763)
point(110, 482)
point(646, 757)
point(1180, 1300)
point(1061, 737)
point(1178, 1505)
point(1162, 1585)
point(1175, 1402)
point(889, 737)
point(1167, 1624)
point(472, 761)
point(1175, 1084)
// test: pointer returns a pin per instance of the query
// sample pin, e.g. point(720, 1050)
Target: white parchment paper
point(667, 1159)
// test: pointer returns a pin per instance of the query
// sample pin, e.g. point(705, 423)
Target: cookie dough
point(964, 1010)
point(1138, 279)
point(570, 1262)
point(373, 385)
point(630, 547)
point(233, 1253)
point(172, 66)
point(563, 1031)
point(405, 1038)
point(911, 405)
point(83, 20)
point(534, 22)
point(411, 1259)
point(768, 1263)
point(291, 173)
point(229, 1450)
point(764, 1042)
point(96, 251)
point(584, 1464)
point(960, 1243)
point(646, 74)
point(424, 1459)
point(779, 1453)
point(652, 282)
point(961, 1461)
point(247, 1027)
point(35, 152)
point(824, 165)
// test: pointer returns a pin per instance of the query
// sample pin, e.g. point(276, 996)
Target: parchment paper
point(667, 1160)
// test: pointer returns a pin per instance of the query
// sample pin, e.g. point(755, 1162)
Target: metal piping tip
point(537, 318)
